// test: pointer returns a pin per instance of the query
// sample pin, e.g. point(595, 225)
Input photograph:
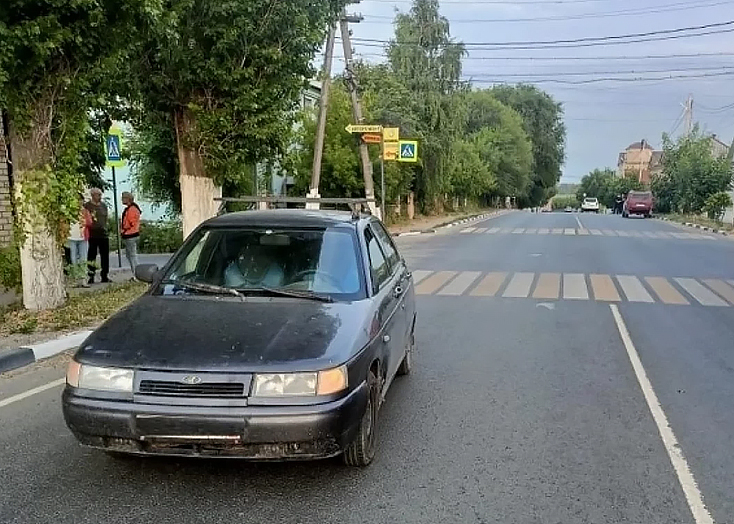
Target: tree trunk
point(198, 191)
point(41, 257)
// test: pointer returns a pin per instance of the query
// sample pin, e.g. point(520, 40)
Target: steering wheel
point(327, 276)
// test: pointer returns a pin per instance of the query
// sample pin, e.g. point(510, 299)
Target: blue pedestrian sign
point(113, 148)
point(408, 151)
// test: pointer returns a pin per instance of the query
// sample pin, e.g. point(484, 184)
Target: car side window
point(387, 244)
point(378, 264)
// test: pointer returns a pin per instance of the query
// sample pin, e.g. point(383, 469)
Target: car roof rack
point(358, 206)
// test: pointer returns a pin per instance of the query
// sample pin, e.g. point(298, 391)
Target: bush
point(716, 205)
point(10, 274)
point(564, 201)
point(160, 237)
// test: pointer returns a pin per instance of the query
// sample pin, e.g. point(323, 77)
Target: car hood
point(226, 334)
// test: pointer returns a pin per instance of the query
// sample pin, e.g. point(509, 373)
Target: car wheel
point(407, 363)
point(362, 449)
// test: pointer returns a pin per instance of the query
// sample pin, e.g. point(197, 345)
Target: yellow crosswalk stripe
point(519, 231)
point(574, 287)
point(548, 286)
point(604, 289)
point(569, 231)
point(596, 232)
point(460, 284)
point(519, 286)
point(489, 285)
point(665, 291)
point(419, 275)
point(722, 288)
point(703, 294)
point(633, 289)
point(434, 282)
point(543, 231)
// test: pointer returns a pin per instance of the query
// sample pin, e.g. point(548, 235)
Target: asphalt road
point(524, 406)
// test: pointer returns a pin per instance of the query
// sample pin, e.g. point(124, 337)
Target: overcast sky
point(602, 118)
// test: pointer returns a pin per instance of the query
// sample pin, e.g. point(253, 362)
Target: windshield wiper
point(210, 288)
point(306, 295)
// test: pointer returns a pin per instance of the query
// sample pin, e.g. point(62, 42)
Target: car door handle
point(386, 339)
point(397, 291)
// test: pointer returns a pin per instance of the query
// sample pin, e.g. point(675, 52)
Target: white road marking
point(460, 284)
point(693, 495)
point(596, 232)
point(703, 294)
point(31, 392)
point(419, 275)
point(468, 230)
point(634, 290)
point(519, 286)
point(574, 287)
point(581, 226)
point(570, 231)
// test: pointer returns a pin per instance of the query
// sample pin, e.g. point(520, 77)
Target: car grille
point(177, 389)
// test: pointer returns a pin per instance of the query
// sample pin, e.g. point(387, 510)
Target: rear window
point(591, 200)
point(640, 195)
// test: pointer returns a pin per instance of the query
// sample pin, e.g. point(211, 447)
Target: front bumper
point(252, 432)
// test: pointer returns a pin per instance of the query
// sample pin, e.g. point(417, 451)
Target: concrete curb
point(698, 226)
point(23, 356)
point(451, 224)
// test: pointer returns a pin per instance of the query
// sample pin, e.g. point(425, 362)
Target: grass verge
point(79, 311)
point(700, 220)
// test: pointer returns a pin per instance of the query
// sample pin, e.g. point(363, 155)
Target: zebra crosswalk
point(682, 291)
point(587, 232)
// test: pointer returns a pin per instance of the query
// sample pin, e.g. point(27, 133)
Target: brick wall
point(6, 215)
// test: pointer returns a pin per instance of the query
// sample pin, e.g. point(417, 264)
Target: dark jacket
point(99, 213)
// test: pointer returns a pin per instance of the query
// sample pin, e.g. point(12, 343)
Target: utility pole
point(369, 185)
point(689, 115)
point(321, 127)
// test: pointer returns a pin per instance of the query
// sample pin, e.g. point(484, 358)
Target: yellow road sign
point(352, 128)
point(391, 150)
point(391, 134)
point(408, 151)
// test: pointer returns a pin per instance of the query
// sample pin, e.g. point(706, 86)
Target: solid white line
point(31, 392)
point(581, 226)
point(693, 496)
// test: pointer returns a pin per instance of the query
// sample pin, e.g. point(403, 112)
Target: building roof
point(638, 145)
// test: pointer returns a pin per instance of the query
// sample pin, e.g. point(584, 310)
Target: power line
point(667, 8)
point(586, 73)
point(715, 110)
point(575, 58)
point(575, 40)
point(511, 46)
point(499, 2)
point(610, 79)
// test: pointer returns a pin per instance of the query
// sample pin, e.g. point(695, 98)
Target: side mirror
point(146, 272)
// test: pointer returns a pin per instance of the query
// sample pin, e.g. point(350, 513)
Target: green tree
point(543, 122)
point(693, 171)
point(427, 61)
point(716, 205)
point(56, 58)
point(229, 75)
point(596, 184)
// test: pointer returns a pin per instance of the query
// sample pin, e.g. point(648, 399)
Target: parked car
point(569, 209)
point(268, 335)
point(638, 203)
point(590, 204)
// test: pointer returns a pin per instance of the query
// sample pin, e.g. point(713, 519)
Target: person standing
point(130, 229)
point(78, 241)
point(98, 239)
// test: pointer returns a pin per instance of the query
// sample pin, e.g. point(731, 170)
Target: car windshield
point(262, 260)
point(640, 195)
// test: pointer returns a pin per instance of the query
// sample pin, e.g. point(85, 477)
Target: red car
point(638, 203)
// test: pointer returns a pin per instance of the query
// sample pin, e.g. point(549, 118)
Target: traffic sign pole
point(117, 220)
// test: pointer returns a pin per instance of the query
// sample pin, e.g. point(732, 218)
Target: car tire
point(361, 450)
point(407, 363)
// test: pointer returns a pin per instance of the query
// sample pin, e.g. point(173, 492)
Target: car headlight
point(99, 378)
point(300, 384)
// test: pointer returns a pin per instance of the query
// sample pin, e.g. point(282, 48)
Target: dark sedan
point(269, 335)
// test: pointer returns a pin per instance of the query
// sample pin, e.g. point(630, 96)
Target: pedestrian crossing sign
point(113, 148)
point(408, 151)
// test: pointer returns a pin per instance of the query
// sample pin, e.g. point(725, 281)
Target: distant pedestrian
point(130, 229)
point(99, 241)
point(78, 241)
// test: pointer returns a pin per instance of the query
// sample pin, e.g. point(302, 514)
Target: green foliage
point(564, 201)
point(663, 188)
point(605, 185)
point(692, 173)
point(542, 118)
point(160, 237)
point(716, 205)
point(10, 275)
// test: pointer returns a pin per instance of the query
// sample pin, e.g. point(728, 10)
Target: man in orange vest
point(130, 229)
